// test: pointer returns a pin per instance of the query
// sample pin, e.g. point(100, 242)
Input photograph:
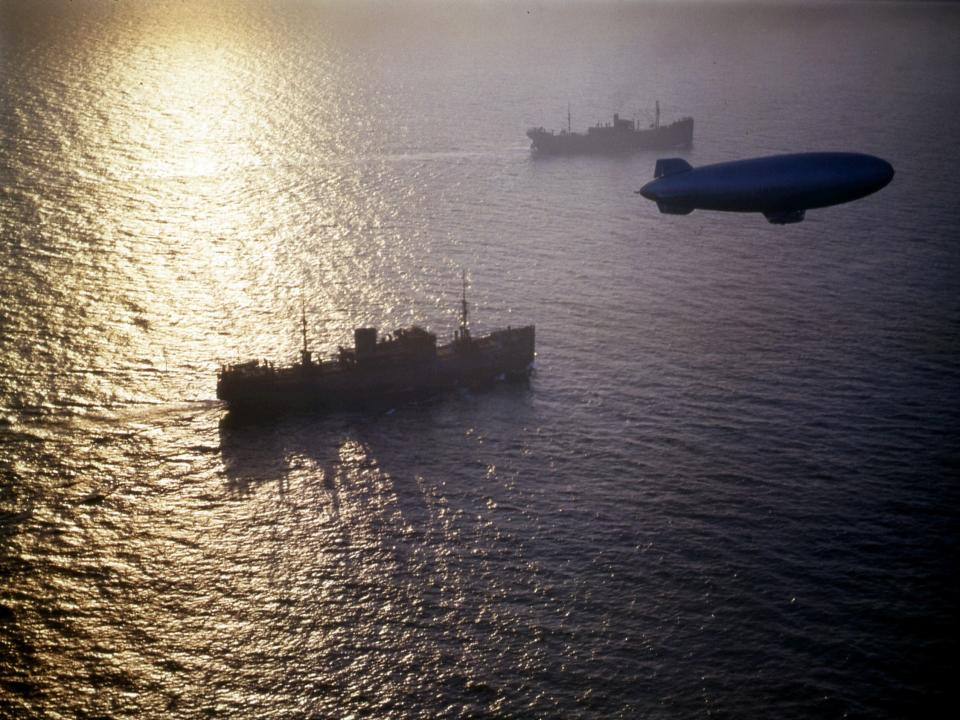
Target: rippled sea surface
point(730, 488)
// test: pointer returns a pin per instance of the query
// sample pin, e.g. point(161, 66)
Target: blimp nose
point(649, 191)
point(876, 172)
point(885, 173)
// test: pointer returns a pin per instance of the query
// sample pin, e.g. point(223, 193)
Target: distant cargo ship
point(377, 372)
point(619, 137)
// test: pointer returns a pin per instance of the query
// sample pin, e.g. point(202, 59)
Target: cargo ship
point(620, 136)
point(378, 371)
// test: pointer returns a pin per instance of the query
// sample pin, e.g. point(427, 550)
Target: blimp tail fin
point(668, 209)
point(670, 166)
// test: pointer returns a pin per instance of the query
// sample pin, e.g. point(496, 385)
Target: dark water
point(730, 488)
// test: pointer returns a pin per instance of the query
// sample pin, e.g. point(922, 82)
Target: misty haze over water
point(729, 488)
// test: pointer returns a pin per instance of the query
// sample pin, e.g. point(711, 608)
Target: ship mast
point(657, 123)
point(464, 331)
point(304, 353)
point(568, 118)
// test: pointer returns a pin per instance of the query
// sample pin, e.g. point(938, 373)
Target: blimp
point(782, 187)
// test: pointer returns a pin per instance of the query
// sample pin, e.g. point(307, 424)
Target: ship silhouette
point(620, 136)
point(378, 371)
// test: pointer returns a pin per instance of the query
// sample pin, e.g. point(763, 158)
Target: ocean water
point(730, 488)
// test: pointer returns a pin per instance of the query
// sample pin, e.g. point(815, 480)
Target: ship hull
point(677, 135)
point(328, 388)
